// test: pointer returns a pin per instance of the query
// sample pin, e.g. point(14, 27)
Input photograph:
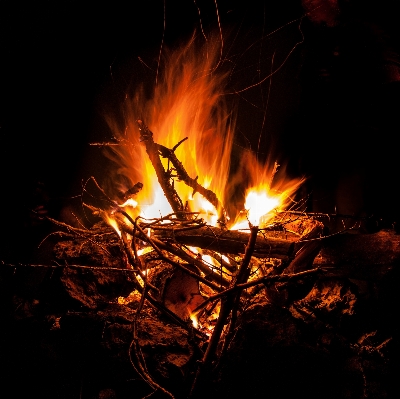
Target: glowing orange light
point(130, 202)
point(259, 204)
point(195, 322)
point(113, 223)
point(144, 251)
point(187, 102)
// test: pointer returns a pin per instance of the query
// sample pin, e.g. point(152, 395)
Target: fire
point(113, 223)
point(258, 204)
point(130, 202)
point(156, 208)
point(269, 192)
point(187, 102)
point(195, 322)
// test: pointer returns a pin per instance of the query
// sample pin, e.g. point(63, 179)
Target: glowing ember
point(193, 317)
point(144, 251)
point(208, 260)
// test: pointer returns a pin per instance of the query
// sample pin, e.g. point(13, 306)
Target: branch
point(163, 177)
point(227, 305)
point(229, 241)
point(209, 195)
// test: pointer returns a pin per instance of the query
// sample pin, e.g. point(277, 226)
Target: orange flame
point(187, 102)
point(113, 223)
point(269, 192)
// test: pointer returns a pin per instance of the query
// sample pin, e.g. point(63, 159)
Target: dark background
point(64, 62)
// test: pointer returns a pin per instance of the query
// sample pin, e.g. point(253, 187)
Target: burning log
point(132, 191)
point(229, 241)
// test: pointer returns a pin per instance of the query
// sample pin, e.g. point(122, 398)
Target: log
point(229, 242)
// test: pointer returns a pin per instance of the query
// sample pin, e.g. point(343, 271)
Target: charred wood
point(230, 241)
point(209, 195)
point(152, 149)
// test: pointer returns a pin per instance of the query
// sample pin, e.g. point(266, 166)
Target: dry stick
point(133, 263)
point(209, 273)
point(146, 135)
point(196, 262)
point(309, 249)
point(230, 241)
point(209, 195)
point(171, 217)
point(242, 277)
point(218, 257)
point(262, 280)
point(138, 351)
point(151, 300)
point(227, 304)
point(157, 244)
point(78, 232)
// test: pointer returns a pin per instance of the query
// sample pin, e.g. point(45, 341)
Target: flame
point(258, 204)
point(269, 192)
point(195, 322)
point(188, 102)
point(113, 223)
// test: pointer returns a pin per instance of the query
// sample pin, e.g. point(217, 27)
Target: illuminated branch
point(227, 304)
point(262, 280)
point(209, 195)
point(160, 245)
point(229, 241)
point(242, 277)
point(231, 265)
point(163, 176)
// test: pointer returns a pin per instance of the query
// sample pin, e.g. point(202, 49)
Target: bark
point(230, 242)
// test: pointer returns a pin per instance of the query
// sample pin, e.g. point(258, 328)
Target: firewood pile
point(174, 307)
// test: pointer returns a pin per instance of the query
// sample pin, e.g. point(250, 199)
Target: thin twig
point(227, 303)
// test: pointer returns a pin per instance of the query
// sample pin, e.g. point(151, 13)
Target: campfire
point(171, 194)
point(197, 245)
